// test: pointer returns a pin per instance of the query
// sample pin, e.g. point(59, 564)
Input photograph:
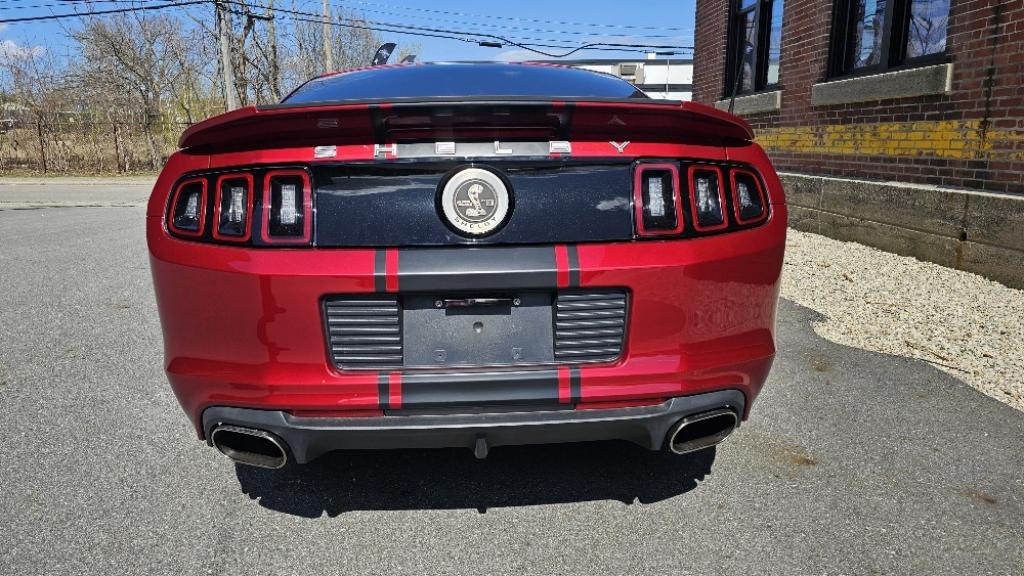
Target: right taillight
point(707, 198)
point(747, 197)
point(692, 199)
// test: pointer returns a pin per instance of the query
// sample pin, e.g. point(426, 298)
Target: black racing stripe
point(574, 385)
point(380, 280)
point(488, 268)
point(479, 388)
point(574, 266)
point(383, 391)
point(377, 117)
point(565, 121)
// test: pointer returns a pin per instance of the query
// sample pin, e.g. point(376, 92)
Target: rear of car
point(466, 255)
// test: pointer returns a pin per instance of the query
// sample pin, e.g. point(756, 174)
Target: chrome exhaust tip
point(701, 431)
point(250, 446)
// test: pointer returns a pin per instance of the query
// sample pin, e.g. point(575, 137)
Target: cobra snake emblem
point(474, 197)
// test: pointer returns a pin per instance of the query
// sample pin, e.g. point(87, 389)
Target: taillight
point(686, 200)
point(656, 200)
point(250, 206)
point(747, 197)
point(707, 198)
point(287, 207)
point(188, 208)
point(232, 209)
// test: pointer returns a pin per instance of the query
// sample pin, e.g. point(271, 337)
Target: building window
point(755, 45)
point(875, 35)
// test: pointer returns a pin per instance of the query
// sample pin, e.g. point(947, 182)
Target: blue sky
point(570, 22)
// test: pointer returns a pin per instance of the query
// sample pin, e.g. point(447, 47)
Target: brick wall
point(970, 138)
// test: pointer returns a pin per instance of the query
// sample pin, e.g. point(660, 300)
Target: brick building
point(897, 123)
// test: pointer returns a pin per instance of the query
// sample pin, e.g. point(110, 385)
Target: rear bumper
point(243, 327)
point(308, 438)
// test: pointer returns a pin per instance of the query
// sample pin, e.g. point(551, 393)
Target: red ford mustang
point(466, 255)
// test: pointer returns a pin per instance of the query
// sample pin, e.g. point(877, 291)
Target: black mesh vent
point(589, 326)
point(364, 331)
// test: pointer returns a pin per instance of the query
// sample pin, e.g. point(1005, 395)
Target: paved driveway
point(852, 463)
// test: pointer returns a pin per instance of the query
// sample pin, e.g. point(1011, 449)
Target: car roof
point(462, 79)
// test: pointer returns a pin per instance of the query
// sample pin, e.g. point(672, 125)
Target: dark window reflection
point(748, 51)
point(929, 20)
point(869, 16)
point(775, 42)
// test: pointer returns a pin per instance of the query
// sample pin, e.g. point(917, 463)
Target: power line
point(393, 24)
point(318, 20)
point(395, 28)
point(514, 18)
point(135, 4)
point(514, 28)
point(507, 38)
point(526, 43)
point(463, 35)
point(101, 12)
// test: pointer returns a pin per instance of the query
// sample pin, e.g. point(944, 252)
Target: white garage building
point(659, 78)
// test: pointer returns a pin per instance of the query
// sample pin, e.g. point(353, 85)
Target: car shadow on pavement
point(346, 481)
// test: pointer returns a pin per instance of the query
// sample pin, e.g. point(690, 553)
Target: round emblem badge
point(475, 201)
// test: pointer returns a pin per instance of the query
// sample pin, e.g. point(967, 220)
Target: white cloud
point(12, 50)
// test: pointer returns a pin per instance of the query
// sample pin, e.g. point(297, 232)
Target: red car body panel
point(243, 325)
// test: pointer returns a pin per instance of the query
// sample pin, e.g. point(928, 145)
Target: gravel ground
point(961, 323)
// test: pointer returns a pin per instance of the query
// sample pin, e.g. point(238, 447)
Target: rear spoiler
point(284, 125)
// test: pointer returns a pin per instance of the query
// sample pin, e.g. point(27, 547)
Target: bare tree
point(31, 83)
point(136, 59)
point(227, 58)
point(137, 79)
point(353, 45)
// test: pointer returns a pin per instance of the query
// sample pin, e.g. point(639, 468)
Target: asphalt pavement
point(852, 462)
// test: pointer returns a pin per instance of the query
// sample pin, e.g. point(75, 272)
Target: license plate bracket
point(483, 330)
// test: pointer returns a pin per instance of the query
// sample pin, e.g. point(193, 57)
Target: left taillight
point(188, 208)
point(246, 206)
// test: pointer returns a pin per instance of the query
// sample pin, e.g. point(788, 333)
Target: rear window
point(423, 81)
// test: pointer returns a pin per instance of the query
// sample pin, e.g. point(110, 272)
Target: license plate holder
point(477, 330)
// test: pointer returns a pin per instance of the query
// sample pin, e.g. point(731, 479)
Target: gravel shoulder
point(961, 323)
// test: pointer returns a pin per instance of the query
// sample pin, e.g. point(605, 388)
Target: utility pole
point(328, 52)
point(275, 70)
point(226, 66)
point(668, 72)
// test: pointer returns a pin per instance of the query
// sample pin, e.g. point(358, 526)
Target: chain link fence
point(84, 143)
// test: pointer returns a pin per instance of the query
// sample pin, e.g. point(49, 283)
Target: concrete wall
point(968, 230)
